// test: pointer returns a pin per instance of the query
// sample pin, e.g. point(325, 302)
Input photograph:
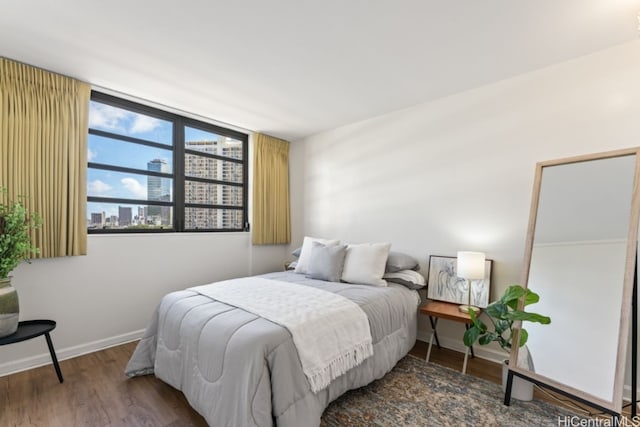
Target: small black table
point(34, 328)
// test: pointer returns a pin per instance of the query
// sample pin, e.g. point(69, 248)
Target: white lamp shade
point(471, 265)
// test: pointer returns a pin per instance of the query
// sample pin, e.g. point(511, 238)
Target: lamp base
point(468, 308)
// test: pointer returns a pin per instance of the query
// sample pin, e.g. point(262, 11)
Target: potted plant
point(16, 223)
point(503, 313)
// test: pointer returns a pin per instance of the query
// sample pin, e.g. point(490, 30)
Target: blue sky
point(115, 152)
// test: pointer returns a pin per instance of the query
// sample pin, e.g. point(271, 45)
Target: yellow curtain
point(271, 220)
point(43, 152)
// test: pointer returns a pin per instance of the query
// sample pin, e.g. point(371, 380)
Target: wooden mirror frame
point(613, 407)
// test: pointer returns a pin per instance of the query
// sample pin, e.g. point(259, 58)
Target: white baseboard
point(626, 393)
point(67, 353)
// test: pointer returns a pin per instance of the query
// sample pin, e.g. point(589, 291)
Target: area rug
point(416, 393)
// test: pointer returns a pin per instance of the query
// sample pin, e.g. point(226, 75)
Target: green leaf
point(16, 224)
point(502, 325)
point(503, 313)
point(512, 295)
point(524, 336)
point(472, 315)
point(486, 339)
point(477, 322)
point(471, 336)
point(497, 310)
point(513, 292)
point(531, 297)
point(529, 317)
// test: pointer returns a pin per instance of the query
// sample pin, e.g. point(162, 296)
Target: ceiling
point(292, 68)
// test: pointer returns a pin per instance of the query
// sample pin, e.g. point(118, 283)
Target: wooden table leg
point(433, 334)
point(54, 359)
point(466, 356)
point(434, 323)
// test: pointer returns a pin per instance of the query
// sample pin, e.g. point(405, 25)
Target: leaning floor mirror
point(580, 257)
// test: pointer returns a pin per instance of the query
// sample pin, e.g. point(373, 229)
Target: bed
point(238, 369)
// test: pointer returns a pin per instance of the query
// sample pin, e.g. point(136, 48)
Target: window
point(151, 170)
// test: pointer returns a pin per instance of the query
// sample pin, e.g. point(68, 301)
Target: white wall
point(457, 173)
point(108, 296)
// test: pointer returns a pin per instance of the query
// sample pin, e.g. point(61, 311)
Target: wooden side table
point(443, 310)
point(34, 328)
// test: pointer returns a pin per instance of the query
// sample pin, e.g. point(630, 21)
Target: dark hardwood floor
point(96, 392)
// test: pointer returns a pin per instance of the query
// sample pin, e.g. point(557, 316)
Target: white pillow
point(365, 263)
point(305, 254)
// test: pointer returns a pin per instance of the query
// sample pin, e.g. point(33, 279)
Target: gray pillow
point(296, 253)
point(326, 262)
point(398, 261)
point(409, 278)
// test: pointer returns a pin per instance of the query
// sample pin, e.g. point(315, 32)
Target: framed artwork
point(444, 285)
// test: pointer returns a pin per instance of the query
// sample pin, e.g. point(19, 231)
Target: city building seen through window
point(151, 170)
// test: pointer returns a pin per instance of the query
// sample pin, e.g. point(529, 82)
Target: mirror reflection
point(577, 267)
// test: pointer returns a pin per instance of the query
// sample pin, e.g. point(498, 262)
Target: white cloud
point(137, 189)
point(90, 155)
point(142, 124)
point(112, 119)
point(98, 188)
point(106, 117)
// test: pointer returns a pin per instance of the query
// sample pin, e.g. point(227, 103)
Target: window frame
point(178, 176)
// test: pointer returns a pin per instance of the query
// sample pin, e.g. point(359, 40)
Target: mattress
point(238, 369)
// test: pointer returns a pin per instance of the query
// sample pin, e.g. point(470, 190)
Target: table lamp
point(470, 267)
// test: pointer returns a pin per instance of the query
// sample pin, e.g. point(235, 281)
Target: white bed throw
point(330, 332)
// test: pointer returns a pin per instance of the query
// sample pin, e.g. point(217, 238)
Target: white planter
point(521, 389)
